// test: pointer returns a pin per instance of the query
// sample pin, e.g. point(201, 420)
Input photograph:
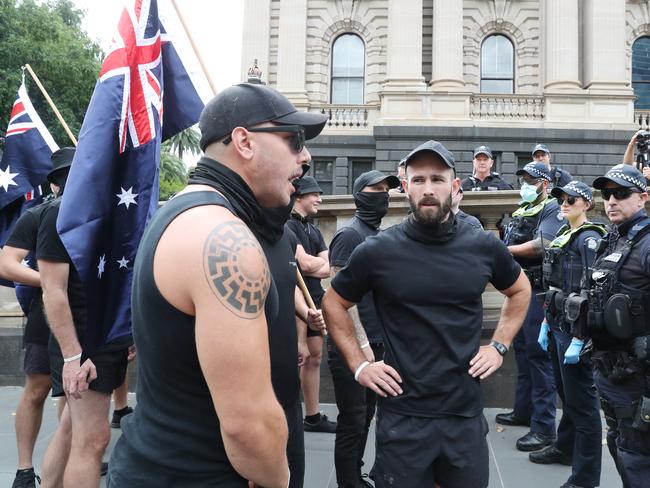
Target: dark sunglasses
point(297, 140)
point(569, 199)
point(620, 193)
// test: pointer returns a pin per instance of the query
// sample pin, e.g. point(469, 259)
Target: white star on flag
point(25, 262)
point(102, 264)
point(7, 179)
point(123, 262)
point(126, 197)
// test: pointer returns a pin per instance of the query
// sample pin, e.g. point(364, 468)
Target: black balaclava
point(59, 178)
point(371, 207)
point(214, 174)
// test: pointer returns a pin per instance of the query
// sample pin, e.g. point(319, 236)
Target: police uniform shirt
point(311, 239)
point(550, 221)
point(635, 272)
point(429, 301)
point(560, 176)
point(23, 236)
point(341, 248)
point(492, 182)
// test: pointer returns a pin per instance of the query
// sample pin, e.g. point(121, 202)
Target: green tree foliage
point(173, 172)
point(48, 36)
point(186, 141)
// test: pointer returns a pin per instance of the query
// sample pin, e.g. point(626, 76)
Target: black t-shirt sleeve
point(291, 236)
point(354, 280)
point(23, 235)
point(505, 269)
point(321, 243)
point(49, 245)
point(342, 246)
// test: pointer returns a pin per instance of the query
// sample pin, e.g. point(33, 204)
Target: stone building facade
point(424, 74)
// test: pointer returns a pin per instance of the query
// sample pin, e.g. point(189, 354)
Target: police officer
point(569, 256)
point(533, 224)
point(541, 154)
point(484, 179)
point(618, 322)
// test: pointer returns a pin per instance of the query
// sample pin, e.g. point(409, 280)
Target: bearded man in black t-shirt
point(430, 428)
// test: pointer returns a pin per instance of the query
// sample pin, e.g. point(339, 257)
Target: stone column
point(256, 35)
point(604, 45)
point(292, 51)
point(404, 44)
point(447, 65)
point(562, 60)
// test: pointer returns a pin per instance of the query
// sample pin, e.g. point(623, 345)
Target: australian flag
point(24, 166)
point(112, 188)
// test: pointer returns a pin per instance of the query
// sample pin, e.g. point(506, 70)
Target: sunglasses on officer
point(619, 193)
point(296, 141)
point(570, 199)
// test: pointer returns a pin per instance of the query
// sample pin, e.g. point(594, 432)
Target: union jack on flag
point(112, 189)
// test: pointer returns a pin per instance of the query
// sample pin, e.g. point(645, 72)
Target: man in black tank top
point(204, 304)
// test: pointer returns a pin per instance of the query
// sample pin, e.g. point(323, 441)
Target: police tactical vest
point(524, 223)
point(559, 269)
point(615, 309)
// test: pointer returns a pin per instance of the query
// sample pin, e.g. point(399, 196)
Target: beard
point(431, 216)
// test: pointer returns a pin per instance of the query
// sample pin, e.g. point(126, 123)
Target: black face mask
point(371, 207)
point(276, 218)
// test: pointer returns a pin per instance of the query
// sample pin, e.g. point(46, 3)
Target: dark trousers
point(629, 447)
point(295, 444)
point(580, 430)
point(535, 393)
point(356, 406)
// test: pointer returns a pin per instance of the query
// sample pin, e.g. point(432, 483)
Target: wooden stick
point(49, 100)
point(196, 51)
point(305, 292)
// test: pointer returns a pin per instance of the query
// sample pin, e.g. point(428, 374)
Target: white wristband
point(365, 344)
point(72, 358)
point(359, 369)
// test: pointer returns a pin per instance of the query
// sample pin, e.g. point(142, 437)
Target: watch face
point(502, 349)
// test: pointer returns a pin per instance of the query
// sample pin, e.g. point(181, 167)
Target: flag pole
point(307, 295)
point(196, 51)
point(49, 100)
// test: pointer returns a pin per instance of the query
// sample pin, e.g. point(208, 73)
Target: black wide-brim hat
point(307, 184)
point(61, 159)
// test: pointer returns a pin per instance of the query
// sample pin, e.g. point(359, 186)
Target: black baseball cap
point(61, 159)
point(247, 105)
point(436, 148)
point(624, 175)
point(307, 184)
point(373, 177)
point(483, 150)
point(576, 189)
point(540, 147)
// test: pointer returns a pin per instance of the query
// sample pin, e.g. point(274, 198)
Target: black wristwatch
point(501, 348)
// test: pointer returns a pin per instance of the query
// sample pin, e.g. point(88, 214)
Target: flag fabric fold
point(112, 188)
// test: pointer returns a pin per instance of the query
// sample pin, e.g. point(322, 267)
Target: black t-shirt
point(429, 301)
point(311, 239)
point(341, 247)
point(24, 236)
point(49, 247)
point(283, 337)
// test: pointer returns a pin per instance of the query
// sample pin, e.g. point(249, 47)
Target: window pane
point(358, 168)
point(496, 86)
point(642, 90)
point(641, 59)
point(326, 187)
point(323, 170)
point(497, 58)
point(347, 91)
point(348, 56)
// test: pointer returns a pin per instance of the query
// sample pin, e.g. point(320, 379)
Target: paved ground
point(509, 468)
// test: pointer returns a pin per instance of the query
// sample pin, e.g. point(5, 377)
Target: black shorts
point(418, 452)
point(37, 359)
point(111, 371)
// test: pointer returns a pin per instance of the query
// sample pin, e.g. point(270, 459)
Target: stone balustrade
point(507, 107)
point(348, 116)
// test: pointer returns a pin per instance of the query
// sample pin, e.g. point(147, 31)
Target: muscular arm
point(12, 268)
point(359, 331)
point(224, 279)
point(314, 266)
point(513, 311)
point(531, 249)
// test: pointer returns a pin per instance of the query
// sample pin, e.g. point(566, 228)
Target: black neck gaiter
point(430, 234)
point(214, 174)
point(371, 207)
point(275, 218)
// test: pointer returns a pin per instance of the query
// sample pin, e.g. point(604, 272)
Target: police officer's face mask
point(528, 192)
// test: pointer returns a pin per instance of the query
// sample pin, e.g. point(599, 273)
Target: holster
point(642, 415)
point(614, 365)
point(575, 313)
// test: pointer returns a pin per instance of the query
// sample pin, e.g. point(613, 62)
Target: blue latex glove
point(572, 354)
point(542, 340)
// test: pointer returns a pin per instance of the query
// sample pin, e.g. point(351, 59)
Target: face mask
point(371, 206)
point(528, 193)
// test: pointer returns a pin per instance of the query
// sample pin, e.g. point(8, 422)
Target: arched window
point(497, 65)
point(641, 72)
point(348, 63)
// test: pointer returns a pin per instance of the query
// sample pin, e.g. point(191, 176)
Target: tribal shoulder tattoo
point(230, 255)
